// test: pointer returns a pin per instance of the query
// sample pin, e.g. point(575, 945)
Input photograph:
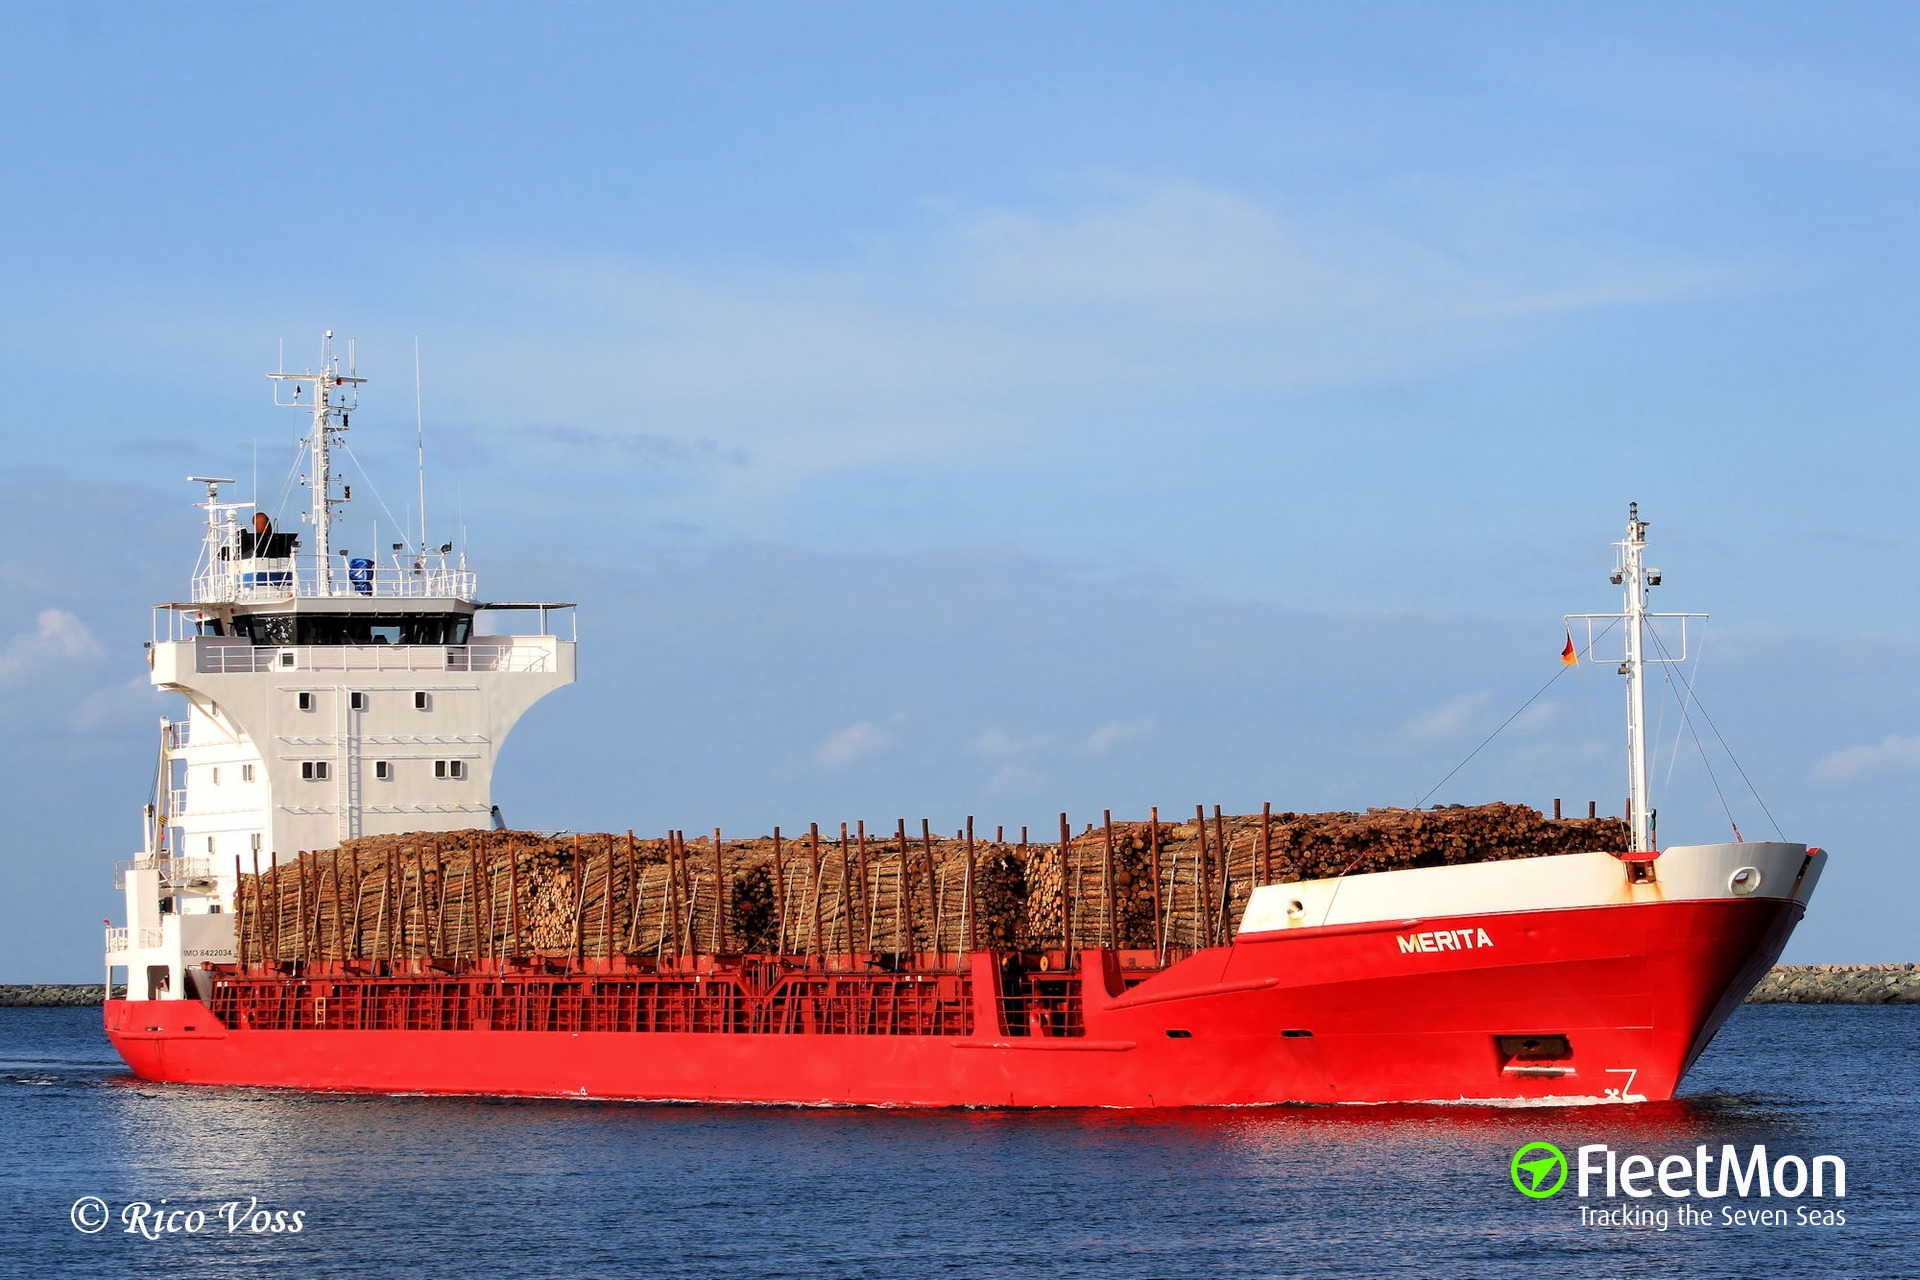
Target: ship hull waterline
point(1335, 1015)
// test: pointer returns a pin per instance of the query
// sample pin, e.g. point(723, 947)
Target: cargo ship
point(327, 899)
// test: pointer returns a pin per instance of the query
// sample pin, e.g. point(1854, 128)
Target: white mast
point(1634, 579)
point(334, 397)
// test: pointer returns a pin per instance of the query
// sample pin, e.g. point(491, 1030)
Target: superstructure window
point(355, 628)
point(358, 700)
point(383, 770)
point(216, 775)
point(305, 700)
point(422, 700)
point(449, 768)
point(246, 773)
point(314, 770)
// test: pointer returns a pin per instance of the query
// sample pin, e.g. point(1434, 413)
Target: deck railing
point(257, 580)
point(173, 871)
point(527, 654)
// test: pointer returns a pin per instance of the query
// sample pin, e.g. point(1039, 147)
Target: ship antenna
point(420, 441)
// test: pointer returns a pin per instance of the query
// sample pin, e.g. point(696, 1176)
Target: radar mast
point(333, 397)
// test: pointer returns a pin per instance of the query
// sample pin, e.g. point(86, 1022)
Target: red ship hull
point(1589, 1003)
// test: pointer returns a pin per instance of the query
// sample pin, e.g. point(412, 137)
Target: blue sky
point(1002, 410)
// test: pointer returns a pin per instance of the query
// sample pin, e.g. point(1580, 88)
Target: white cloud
point(999, 744)
point(57, 638)
point(1454, 717)
point(961, 330)
point(988, 324)
point(1893, 754)
point(855, 742)
point(1017, 779)
point(118, 707)
point(1108, 737)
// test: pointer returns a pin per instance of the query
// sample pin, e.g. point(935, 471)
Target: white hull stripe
point(1684, 873)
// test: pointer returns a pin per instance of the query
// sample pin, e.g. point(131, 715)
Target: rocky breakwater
point(1839, 984)
point(54, 995)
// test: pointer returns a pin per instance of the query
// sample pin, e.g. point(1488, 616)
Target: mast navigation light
point(1616, 577)
point(445, 547)
point(1653, 577)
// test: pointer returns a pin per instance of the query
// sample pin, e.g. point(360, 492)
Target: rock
point(1839, 984)
point(54, 995)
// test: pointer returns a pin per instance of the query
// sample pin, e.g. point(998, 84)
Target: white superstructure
point(325, 701)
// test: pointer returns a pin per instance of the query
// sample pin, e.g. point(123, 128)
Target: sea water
point(106, 1176)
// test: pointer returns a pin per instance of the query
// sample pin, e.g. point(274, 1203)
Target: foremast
point(1635, 578)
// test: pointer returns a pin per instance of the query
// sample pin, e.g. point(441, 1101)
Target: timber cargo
point(455, 898)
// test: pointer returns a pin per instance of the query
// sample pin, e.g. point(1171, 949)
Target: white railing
point(536, 653)
point(173, 871)
point(176, 801)
point(241, 580)
point(176, 734)
point(119, 940)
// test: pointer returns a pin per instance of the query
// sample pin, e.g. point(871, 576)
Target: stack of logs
point(448, 897)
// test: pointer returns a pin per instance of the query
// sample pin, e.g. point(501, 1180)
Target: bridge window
point(354, 628)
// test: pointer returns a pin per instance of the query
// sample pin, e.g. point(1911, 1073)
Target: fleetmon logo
point(1539, 1169)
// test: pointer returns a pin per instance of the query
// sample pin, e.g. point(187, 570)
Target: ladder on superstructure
point(348, 792)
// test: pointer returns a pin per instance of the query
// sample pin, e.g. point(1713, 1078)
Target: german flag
point(1569, 656)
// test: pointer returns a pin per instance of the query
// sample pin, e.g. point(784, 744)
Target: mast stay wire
point(1711, 776)
point(367, 479)
point(1510, 719)
point(1721, 738)
point(1659, 724)
point(293, 474)
point(1700, 648)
